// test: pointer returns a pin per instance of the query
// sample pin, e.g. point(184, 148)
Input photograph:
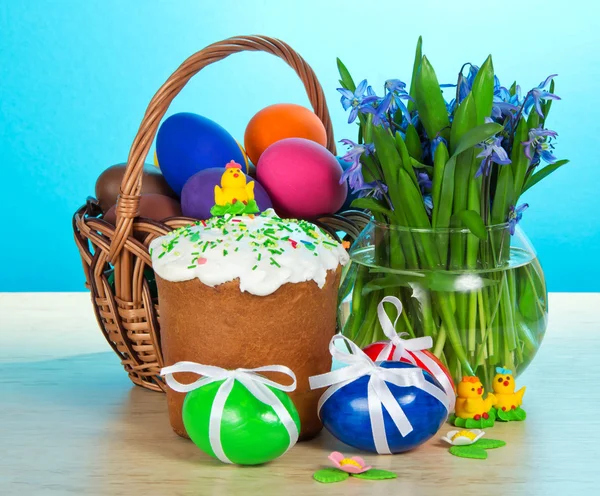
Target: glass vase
point(482, 299)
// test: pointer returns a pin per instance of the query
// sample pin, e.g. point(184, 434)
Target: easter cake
point(242, 291)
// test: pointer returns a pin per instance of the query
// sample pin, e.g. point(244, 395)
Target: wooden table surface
point(72, 423)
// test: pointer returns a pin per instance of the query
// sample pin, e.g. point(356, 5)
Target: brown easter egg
point(108, 184)
point(152, 206)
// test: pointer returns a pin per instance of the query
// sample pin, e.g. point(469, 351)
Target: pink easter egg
point(302, 178)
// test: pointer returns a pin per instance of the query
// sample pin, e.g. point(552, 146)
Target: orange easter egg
point(281, 121)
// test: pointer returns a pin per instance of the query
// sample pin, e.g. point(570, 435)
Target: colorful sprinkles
point(270, 239)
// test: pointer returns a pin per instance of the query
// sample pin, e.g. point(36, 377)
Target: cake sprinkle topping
point(233, 248)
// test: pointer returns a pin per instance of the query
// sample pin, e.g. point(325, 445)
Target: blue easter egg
point(351, 196)
point(346, 414)
point(187, 143)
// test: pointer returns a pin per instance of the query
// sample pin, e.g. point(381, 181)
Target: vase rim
point(453, 230)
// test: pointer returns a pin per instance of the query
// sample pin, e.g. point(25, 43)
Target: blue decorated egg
point(187, 143)
point(346, 414)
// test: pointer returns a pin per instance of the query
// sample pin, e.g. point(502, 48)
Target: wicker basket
point(117, 265)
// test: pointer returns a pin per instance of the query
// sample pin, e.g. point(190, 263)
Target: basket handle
point(129, 197)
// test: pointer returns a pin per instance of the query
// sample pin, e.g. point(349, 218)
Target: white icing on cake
point(264, 252)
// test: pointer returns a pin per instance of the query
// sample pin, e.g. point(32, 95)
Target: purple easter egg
point(198, 193)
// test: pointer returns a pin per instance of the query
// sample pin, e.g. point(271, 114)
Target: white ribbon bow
point(256, 384)
point(415, 346)
point(378, 393)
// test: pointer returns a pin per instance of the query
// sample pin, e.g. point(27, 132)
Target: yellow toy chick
point(470, 402)
point(504, 389)
point(233, 186)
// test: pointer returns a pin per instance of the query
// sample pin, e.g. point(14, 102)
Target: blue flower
point(375, 189)
point(393, 85)
point(539, 143)
point(492, 152)
point(435, 142)
point(353, 174)
point(356, 100)
point(380, 116)
point(537, 94)
point(424, 182)
point(428, 201)
point(515, 215)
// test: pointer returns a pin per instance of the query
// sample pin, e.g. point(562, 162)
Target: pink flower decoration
point(201, 261)
point(354, 465)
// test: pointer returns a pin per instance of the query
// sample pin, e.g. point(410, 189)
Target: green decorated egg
point(251, 432)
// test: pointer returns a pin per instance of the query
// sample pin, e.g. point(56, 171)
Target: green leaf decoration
point(473, 221)
point(430, 102)
point(468, 452)
point(413, 143)
point(504, 197)
point(416, 65)
point(543, 173)
point(328, 475)
point(518, 414)
point(472, 423)
point(484, 443)
point(519, 162)
point(346, 78)
point(238, 208)
point(376, 474)
point(373, 205)
point(483, 90)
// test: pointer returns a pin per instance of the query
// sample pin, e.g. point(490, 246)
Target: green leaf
point(376, 474)
point(465, 118)
point(542, 173)
point(483, 90)
point(328, 475)
point(373, 205)
point(437, 280)
point(413, 143)
point(439, 164)
point(547, 104)
point(419, 165)
point(512, 91)
point(411, 196)
point(430, 102)
point(533, 120)
point(389, 159)
point(346, 78)
point(468, 452)
point(416, 65)
point(473, 221)
point(519, 162)
point(475, 136)
point(484, 443)
point(389, 281)
point(405, 156)
point(504, 197)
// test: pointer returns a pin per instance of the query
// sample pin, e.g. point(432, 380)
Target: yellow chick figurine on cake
point(233, 186)
point(470, 403)
point(508, 402)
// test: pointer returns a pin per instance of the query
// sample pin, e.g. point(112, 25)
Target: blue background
point(76, 78)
